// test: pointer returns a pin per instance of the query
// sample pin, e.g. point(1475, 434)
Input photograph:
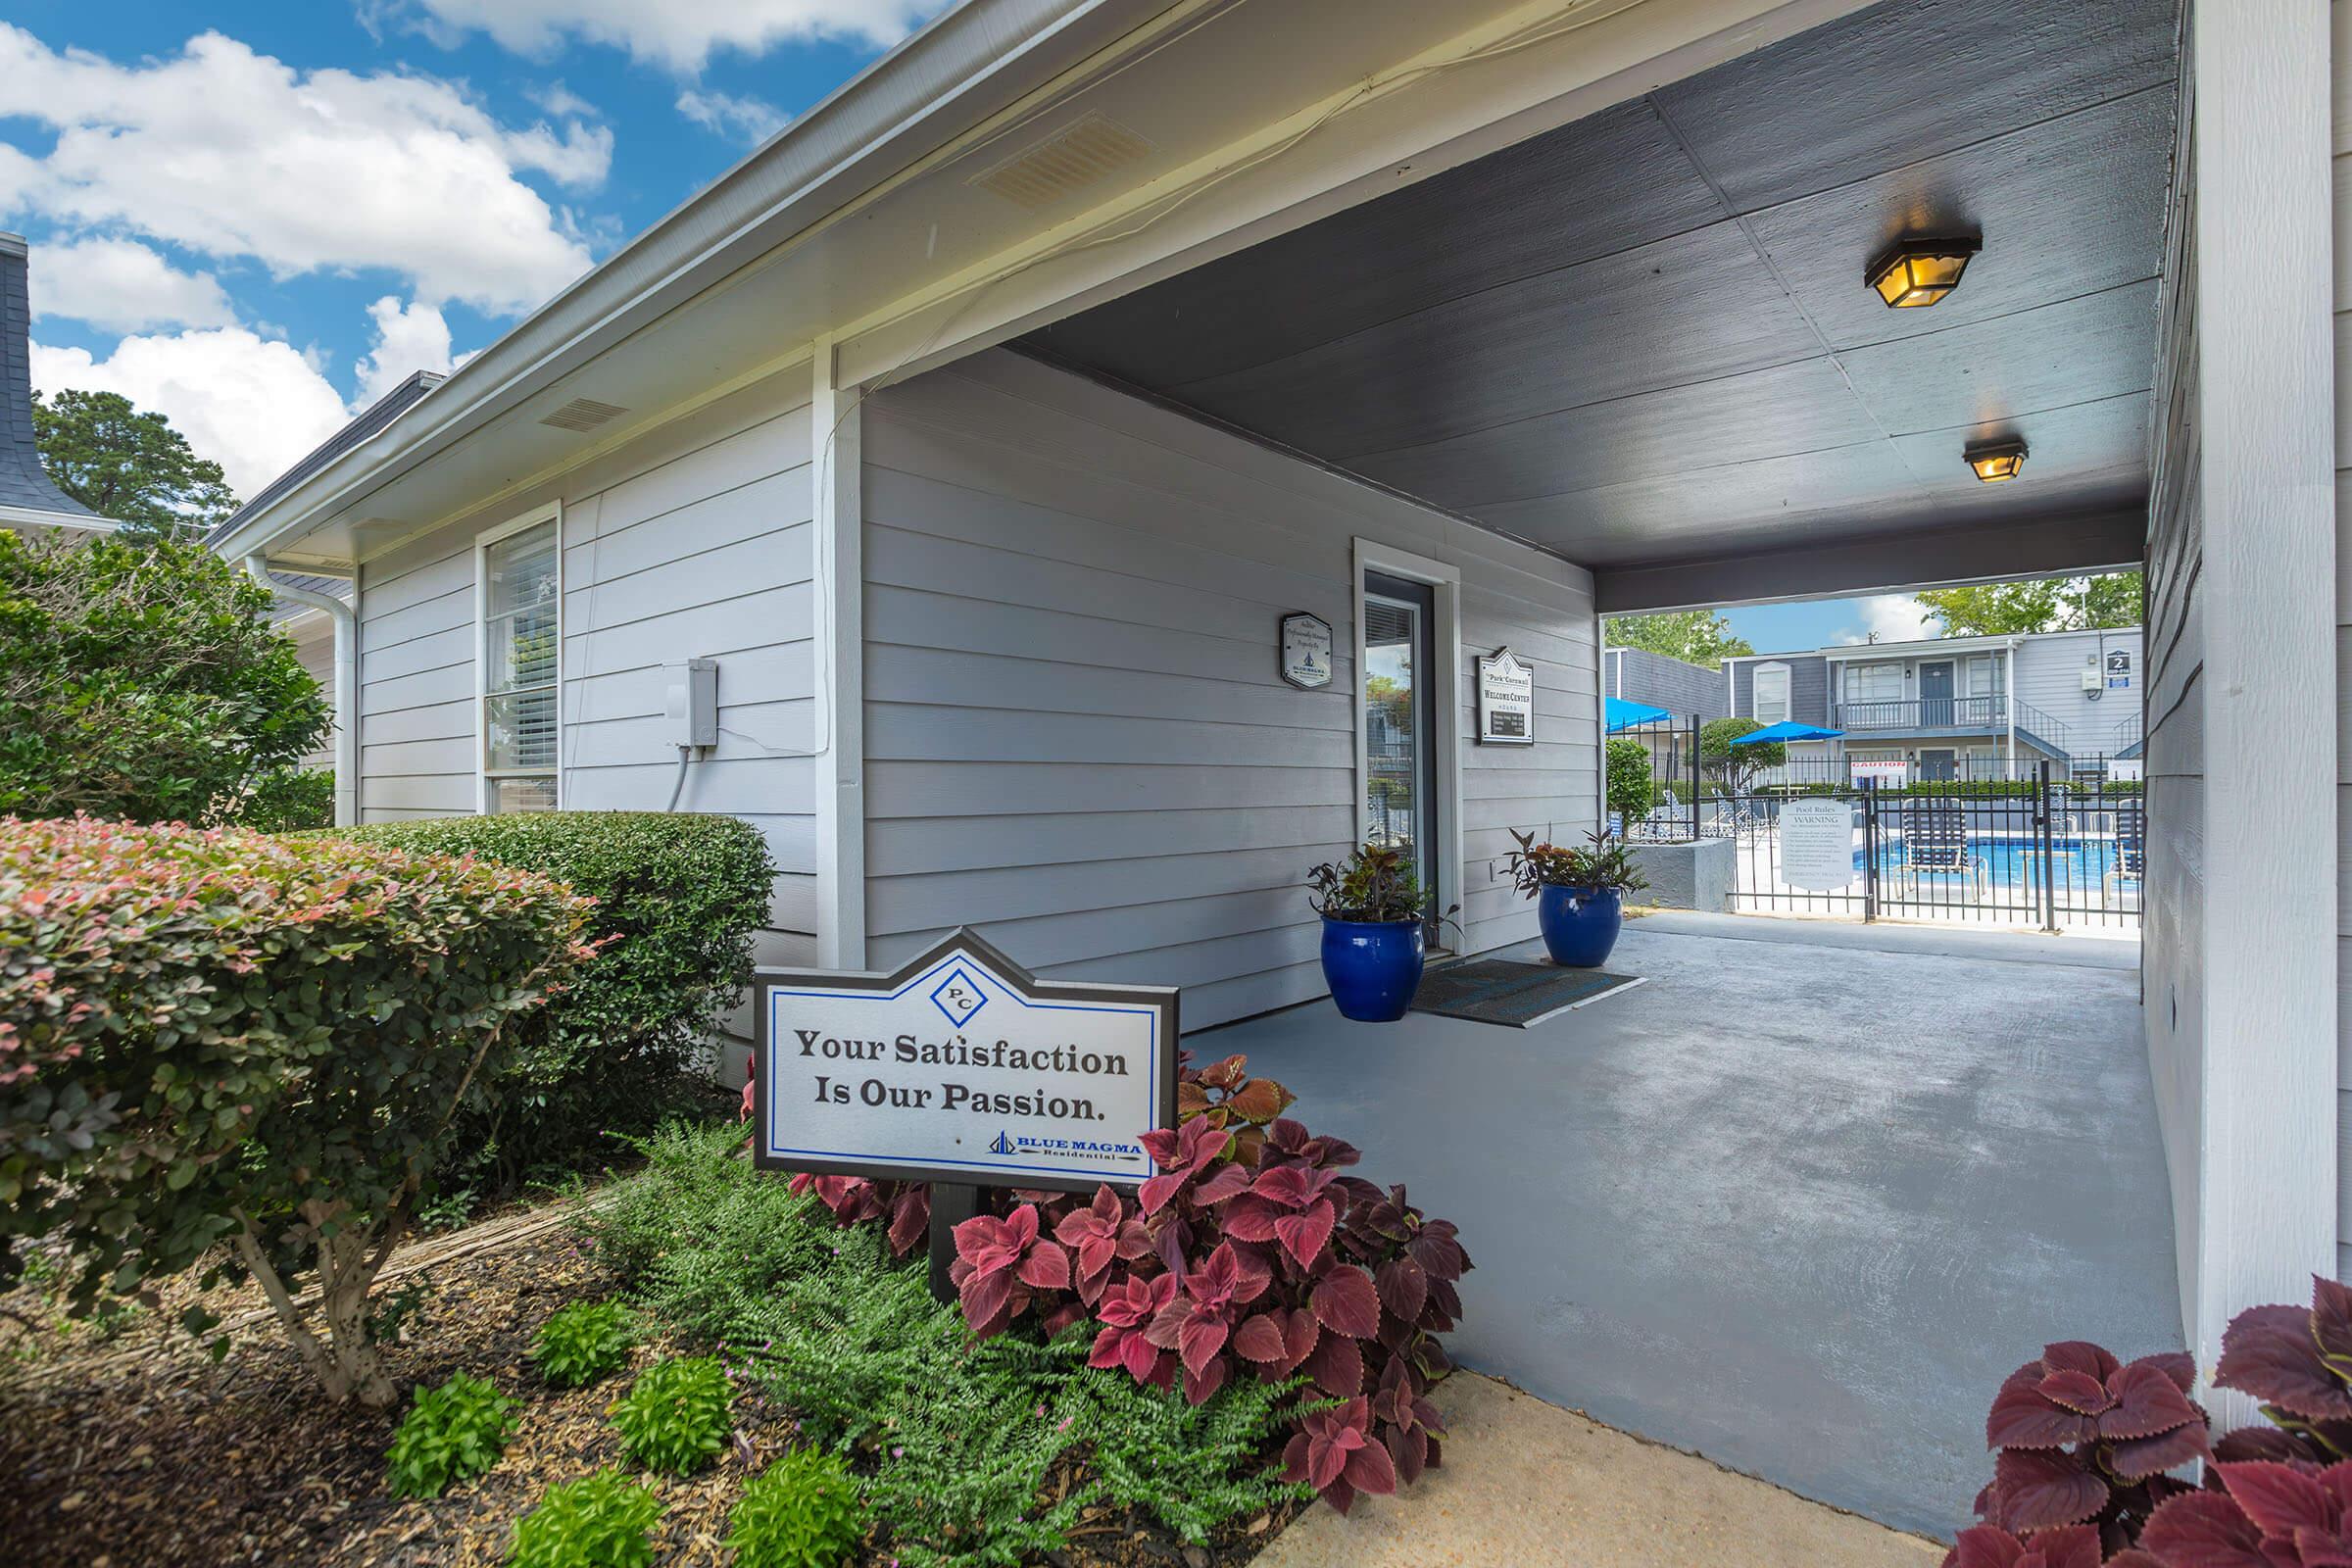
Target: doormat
point(1513, 994)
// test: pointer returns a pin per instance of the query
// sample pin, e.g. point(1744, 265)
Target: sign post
point(964, 1070)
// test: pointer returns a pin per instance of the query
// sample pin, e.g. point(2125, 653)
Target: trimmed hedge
point(679, 898)
point(226, 1035)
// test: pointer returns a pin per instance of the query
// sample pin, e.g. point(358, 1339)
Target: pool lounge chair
point(1936, 844)
point(2131, 851)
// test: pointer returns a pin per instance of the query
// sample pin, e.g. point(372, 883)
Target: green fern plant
point(674, 1416)
point(604, 1520)
point(801, 1512)
point(583, 1342)
point(451, 1434)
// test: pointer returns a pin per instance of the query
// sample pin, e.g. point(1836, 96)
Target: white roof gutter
point(968, 64)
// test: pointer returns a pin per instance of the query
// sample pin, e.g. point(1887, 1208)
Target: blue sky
point(255, 217)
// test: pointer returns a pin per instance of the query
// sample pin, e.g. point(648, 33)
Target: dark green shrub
point(451, 1434)
point(682, 896)
point(600, 1521)
point(264, 1041)
point(801, 1512)
point(288, 799)
point(675, 1415)
point(1735, 765)
point(141, 679)
point(1631, 791)
point(584, 1341)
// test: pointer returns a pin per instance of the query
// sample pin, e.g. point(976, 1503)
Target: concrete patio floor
point(1797, 1205)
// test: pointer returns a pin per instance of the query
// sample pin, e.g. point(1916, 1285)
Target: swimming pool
point(2012, 862)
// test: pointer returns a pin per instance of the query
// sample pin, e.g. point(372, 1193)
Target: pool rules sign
point(962, 1067)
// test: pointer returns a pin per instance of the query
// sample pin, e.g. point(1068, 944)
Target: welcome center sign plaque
point(962, 1067)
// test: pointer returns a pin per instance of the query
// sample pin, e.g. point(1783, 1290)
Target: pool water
point(2014, 861)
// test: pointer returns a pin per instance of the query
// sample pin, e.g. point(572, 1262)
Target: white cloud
point(747, 120)
point(230, 153)
point(119, 285)
point(408, 340)
point(1892, 619)
point(251, 405)
point(680, 35)
point(561, 102)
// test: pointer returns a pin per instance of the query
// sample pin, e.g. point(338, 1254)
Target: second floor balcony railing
point(1983, 714)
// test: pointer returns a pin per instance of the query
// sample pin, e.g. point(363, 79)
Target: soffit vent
point(1071, 158)
point(584, 413)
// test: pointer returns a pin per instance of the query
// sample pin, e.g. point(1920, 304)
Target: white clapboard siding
point(2342, 164)
point(1077, 739)
point(690, 543)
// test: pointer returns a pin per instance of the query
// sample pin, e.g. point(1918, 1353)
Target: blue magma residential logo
point(1125, 1153)
point(959, 997)
point(1002, 1146)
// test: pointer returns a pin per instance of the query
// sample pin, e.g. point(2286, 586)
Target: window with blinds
point(519, 670)
point(1772, 694)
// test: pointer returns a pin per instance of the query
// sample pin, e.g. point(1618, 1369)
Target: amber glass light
point(1997, 459)
point(1920, 271)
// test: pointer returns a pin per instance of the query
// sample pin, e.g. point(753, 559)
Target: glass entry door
point(1400, 765)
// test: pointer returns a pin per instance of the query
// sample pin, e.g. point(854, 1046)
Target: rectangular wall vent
point(584, 413)
point(1069, 161)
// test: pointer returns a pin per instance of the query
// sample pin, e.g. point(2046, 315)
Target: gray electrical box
point(690, 702)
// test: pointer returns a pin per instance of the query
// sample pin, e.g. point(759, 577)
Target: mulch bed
point(142, 1451)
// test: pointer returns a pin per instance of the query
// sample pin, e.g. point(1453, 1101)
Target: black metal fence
point(2039, 843)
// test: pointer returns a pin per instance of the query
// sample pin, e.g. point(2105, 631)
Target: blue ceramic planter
point(1580, 924)
point(1372, 966)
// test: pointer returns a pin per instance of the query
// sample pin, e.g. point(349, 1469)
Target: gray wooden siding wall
point(1076, 737)
point(2171, 932)
point(2341, 64)
point(318, 654)
point(2049, 676)
point(1681, 689)
point(1808, 686)
point(691, 543)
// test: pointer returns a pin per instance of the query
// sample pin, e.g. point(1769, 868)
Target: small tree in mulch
point(225, 1036)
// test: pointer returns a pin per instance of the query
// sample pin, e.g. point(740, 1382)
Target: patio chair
point(1936, 844)
point(1665, 823)
point(2131, 851)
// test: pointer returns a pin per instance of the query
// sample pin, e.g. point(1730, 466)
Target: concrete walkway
point(1797, 1205)
point(1535, 1486)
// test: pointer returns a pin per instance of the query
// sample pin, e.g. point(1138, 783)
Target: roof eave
point(945, 79)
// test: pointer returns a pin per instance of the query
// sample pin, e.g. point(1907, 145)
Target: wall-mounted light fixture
point(1920, 271)
point(1995, 461)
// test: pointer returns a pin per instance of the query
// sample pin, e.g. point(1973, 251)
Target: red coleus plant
point(1249, 1249)
point(1000, 1263)
point(855, 1200)
point(1335, 1452)
point(2265, 1515)
point(2082, 1437)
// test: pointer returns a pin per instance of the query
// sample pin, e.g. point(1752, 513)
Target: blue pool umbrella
point(1786, 732)
point(1619, 713)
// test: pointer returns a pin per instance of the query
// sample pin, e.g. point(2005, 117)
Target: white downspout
point(346, 622)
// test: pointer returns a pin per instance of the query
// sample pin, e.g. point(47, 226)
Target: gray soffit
point(25, 488)
point(1645, 338)
point(371, 421)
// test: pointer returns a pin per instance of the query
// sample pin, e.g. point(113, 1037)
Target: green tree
point(143, 679)
point(1694, 636)
point(1631, 791)
point(1736, 765)
point(130, 465)
point(2051, 604)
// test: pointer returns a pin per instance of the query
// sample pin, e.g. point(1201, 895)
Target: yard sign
point(962, 1067)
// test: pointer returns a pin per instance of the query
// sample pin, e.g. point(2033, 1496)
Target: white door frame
point(1447, 699)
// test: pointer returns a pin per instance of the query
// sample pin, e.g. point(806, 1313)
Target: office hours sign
point(962, 1067)
point(1507, 699)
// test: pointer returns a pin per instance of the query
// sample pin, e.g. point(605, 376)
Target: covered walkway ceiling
point(1643, 340)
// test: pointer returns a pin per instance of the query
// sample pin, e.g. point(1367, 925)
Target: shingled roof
point(26, 495)
point(363, 424)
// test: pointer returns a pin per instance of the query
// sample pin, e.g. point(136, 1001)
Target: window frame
point(1755, 692)
point(483, 776)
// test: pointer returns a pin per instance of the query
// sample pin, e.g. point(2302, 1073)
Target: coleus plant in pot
point(1579, 893)
point(1375, 912)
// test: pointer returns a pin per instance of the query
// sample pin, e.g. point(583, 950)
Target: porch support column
point(2263, 418)
point(837, 468)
